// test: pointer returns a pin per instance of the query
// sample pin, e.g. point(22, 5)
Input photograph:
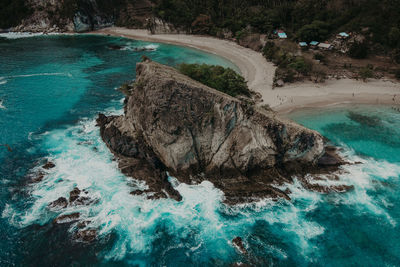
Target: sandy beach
point(259, 74)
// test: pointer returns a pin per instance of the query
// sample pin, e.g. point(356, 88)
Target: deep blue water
point(52, 89)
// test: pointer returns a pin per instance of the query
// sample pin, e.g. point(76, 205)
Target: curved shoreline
point(259, 74)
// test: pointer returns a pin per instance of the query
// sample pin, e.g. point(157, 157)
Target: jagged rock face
point(193, 128)
point(197, 133)
point(84, 15)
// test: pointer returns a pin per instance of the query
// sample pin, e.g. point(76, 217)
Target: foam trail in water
point(40, 74)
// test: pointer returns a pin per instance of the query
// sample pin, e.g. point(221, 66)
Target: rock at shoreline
point(173, 123)
point(74, 194)
point(60, 203)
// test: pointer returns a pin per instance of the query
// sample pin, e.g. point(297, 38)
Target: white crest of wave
point(40, 74)
point(368, 175)
point(18, 35)
point(2, 105)
point(149, 47)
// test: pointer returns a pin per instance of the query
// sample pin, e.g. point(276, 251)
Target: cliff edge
point(177, 125)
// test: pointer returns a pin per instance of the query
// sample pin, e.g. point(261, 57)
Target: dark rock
point(68, 218)
point(330, 158)
point(38, 177)
point(115, 47)
point(325, 189)
point(238, 243)
point(252, 41)
point(76, 198)
point(88, 235)
point(48, 165)
point(136, 192)
point(61, 202)
point(74, 194)
point(82, 224)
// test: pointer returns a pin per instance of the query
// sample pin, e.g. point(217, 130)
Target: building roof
point(325, 45)
point(303, 44)
point(282, 35)
point(314, 43)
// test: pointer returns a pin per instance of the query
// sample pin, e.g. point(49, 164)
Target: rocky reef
point(173, 125)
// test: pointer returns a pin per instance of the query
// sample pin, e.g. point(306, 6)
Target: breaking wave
point(18, 35)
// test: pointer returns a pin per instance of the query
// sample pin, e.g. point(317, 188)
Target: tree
point(222, 79)
point(358, 50)
point(316, 31)
point(366, 73)
point(394, 37)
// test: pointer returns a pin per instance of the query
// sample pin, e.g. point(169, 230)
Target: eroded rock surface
point(173, 123)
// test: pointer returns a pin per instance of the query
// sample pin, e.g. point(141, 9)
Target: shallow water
point(54, 88)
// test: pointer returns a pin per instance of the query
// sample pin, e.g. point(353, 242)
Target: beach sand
point(259, 74)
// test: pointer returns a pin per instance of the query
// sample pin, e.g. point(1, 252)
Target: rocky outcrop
point(253, 41)
point(177, 125)
point(83, 16)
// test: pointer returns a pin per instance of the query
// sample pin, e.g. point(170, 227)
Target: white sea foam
point(3, 81)
point(149, 47)
point(2, 105)
point(40, 74)
point(18, 35)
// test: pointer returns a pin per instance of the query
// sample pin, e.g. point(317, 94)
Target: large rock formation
point(83, 15)
point(173, 123)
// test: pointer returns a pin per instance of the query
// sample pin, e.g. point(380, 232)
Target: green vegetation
point(366, 72)
point(358, 50)
point(289, 66)
point(306, 19)
point(320, 57)
point(318, 30)
point(223, 79)
point(12, 12)
point(397, 74)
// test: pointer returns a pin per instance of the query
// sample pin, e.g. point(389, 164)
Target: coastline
point(259, 74)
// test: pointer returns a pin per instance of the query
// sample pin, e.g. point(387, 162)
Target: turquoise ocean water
point(51, 90)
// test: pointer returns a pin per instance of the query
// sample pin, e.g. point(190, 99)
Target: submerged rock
point(88, 235)
point(115, 47)
point(173, 123)
point(49, 165)
point(238, 243)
